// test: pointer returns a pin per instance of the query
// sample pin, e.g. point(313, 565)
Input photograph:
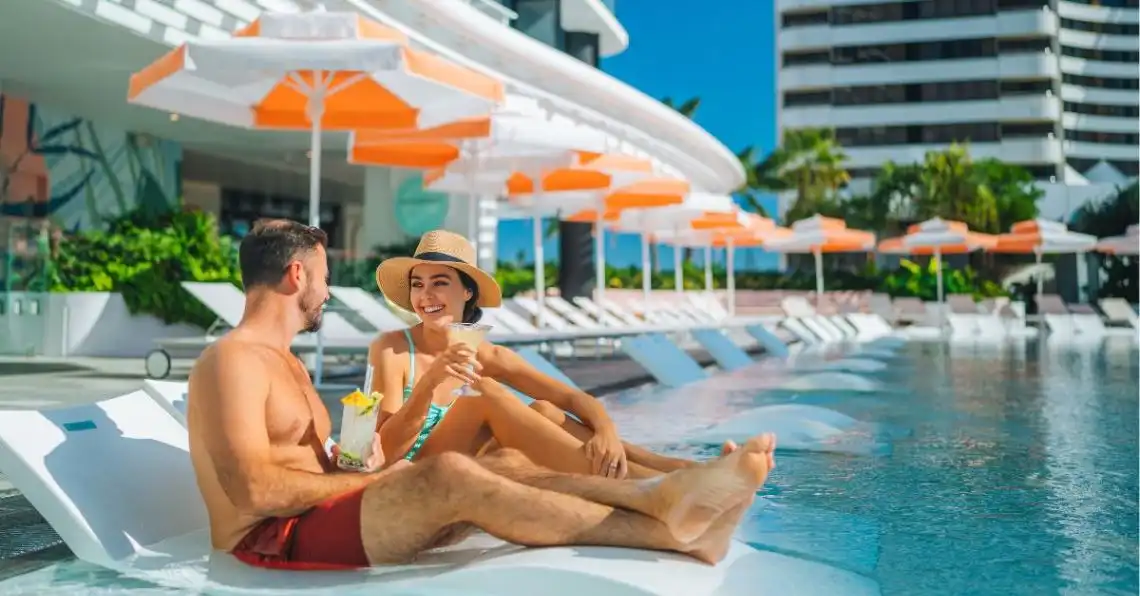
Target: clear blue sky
point(722, 52)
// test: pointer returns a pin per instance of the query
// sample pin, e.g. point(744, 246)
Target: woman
point(417, 370)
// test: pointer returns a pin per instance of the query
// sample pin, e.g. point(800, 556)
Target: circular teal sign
point(418, 210)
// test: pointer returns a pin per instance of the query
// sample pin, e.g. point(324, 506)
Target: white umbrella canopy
point(313, 71)
point(818, 235)
point(1041, 237)
point(697, 212)
point(938, 236)
point(1128, 244)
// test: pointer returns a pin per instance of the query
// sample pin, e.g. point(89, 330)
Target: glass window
point(539, 19)
point(583, 46)
point(1101, 55)
point(1026, 87)
point(1109, 28)
point(1101, 82)
point(806, 98)
point(804, 19)
point(1111, 138)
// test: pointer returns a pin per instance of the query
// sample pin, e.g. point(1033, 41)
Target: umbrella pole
point(600, 252)
point(730, 261)
point(316, 114)
point(539, 271)
point(646, 280)
point(678, 274)
point(708, 269)
point(941, 293)
point(818, 274)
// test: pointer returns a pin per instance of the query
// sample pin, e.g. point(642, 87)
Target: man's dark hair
point(271, 245)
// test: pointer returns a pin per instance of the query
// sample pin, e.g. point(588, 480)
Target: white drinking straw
point(367, 381)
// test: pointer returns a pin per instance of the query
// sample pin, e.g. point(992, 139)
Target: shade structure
point(1040, 237)
point(510, 139)
point(585, 182)
point(313, 71)
point(698, 211)
point(482, 153)
point(1128, 244)
point(938, 237)
point(818, 235)
point(755, 231)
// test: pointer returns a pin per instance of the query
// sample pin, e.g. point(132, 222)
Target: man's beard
point(312, 316)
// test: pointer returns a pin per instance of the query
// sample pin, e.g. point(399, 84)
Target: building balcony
point(1096, 68)
point(1023, 108)
point(1023, 23)
point(1112, 97)
point(1100, 151)
point(1099, 41)
point(1019, 151)
point(1097, 14)
point(1034, 65)
point(1088, 122)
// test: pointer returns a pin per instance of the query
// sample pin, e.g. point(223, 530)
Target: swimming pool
point(1019, 477)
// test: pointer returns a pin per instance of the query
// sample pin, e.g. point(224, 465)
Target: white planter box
point(91, 324)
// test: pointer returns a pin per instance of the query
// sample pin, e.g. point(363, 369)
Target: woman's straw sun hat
point(438, 247)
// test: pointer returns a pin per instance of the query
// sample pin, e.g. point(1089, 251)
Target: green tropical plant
point(808, 162)
point(145, 256)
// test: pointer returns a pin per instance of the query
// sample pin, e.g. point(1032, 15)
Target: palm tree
point(810, 162)
point(687, 109)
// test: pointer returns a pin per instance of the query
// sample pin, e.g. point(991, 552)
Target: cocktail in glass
point(470, 335)
point(358, 426)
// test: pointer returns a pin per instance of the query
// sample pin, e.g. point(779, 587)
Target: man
point(274, 498)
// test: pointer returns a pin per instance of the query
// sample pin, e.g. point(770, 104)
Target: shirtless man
point(274, 498)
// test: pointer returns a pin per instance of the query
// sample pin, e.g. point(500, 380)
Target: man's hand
point(607, 454)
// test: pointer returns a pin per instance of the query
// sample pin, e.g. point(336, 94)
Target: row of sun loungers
point(565, 327)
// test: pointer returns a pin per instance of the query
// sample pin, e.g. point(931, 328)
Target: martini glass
point(470, 335)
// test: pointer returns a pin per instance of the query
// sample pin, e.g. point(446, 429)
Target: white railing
point(494, 10)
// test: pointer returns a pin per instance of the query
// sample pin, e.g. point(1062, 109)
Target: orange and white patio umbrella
point(1128, 244)
point(479, 155)
point(514, 137)
point(697, 212)
point(1040, 237)
point(818, 235)
point(937, 237)
point(313, 71)
point(755, 231)
point(614, 181)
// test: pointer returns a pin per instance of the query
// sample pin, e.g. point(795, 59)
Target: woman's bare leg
point(497, 414)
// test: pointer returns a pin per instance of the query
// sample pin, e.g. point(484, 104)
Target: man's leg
point(498, 414)
point(406, 511)
point(718, 485)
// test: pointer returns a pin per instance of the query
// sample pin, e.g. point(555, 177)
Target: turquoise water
point(1018, 476)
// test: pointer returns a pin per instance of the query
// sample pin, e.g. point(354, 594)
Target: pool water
point(1018, 475)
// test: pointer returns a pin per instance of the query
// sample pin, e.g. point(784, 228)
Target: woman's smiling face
point(437, 295)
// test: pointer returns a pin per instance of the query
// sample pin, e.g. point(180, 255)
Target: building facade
point(1050, 85)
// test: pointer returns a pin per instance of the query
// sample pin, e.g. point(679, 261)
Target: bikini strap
point(412, 363)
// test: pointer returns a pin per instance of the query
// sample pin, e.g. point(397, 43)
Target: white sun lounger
point(968, 323)
point(1120, 316)
point(114, 479)
point(369, 307)
point(228, 302)
point(614, 314)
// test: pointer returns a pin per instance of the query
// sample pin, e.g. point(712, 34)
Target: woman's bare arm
point(504, 365)
point(399, 422)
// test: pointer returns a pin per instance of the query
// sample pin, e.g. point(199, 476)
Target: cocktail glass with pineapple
point(358, 426)
point(470, 335)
